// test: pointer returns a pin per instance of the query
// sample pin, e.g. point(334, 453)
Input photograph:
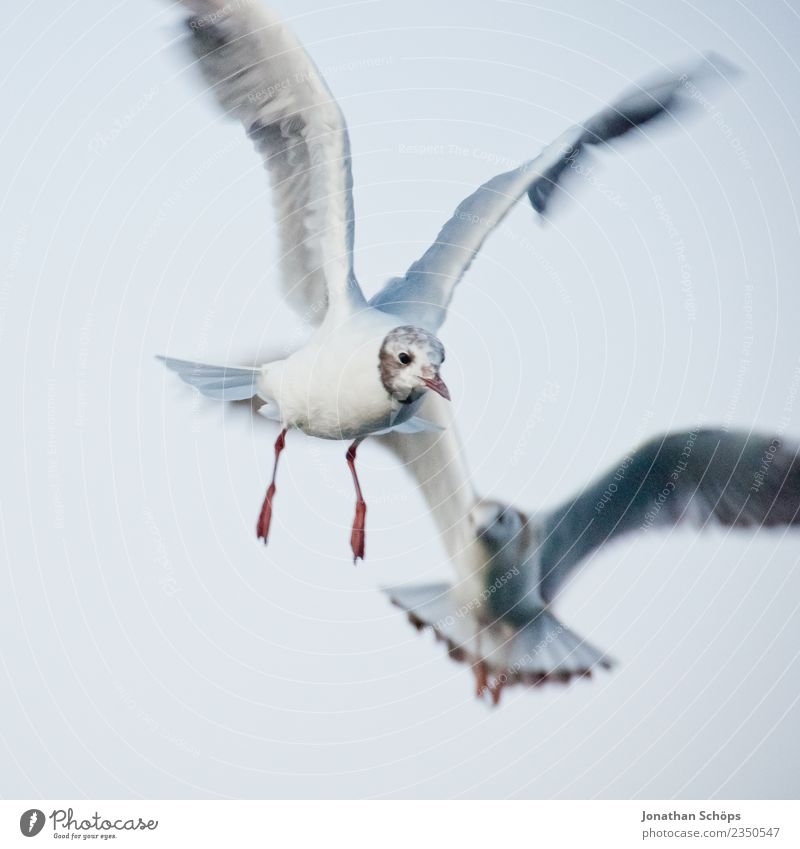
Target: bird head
point(410, 359)
point(500, 527)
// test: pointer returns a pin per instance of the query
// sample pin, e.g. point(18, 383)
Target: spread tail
point(225, 383)
point(500, 654)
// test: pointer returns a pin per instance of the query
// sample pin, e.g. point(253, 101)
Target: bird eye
point(404, 358)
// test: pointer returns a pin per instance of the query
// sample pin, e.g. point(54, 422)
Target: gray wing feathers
point(422, 296)
point(224, 383)
point(662, 96)
point(261, 75)
point(697, 477)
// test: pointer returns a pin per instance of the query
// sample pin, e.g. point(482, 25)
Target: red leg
point(496, 690)
point(358, 535)
point(483, 685)
point(264, 519)
point(481, 678)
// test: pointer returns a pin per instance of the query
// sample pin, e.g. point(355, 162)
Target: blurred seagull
point(368, 365)
point(510, 565)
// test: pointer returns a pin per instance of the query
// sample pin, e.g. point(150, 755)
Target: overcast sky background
point(150, 646)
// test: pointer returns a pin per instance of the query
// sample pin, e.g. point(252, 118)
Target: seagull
point(364, 370)
point(511, 564)
point(368, 365)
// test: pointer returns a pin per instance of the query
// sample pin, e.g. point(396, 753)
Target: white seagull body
point(330, 388)
point(321, 387)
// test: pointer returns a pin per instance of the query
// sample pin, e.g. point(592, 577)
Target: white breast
point(331, 388)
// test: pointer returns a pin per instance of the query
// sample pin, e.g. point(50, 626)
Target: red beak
point(437, 385)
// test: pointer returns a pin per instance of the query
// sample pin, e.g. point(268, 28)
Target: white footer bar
point(356, 824)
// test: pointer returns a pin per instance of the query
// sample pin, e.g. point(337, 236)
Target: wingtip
point(712, 67)
point(727, 69)
point(165, 361)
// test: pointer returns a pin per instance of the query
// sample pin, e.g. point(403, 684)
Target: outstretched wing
point(701, 477)
point(423, 295)
point(435, 459)
point(261, 75)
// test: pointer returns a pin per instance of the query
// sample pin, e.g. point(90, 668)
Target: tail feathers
point(225, 383)
point(500, 654)
point(434, 606)
point(545, 649)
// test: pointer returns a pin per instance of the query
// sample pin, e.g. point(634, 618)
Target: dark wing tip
point(722, 65)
